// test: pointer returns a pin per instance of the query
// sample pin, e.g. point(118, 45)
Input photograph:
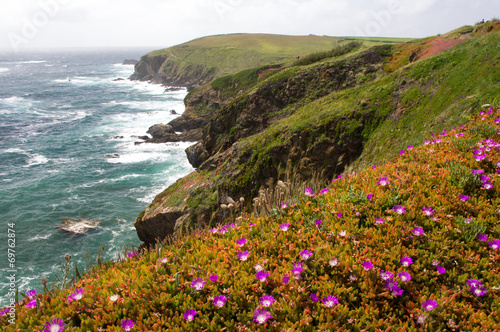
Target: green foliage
point(334, 52)
point(154, 288)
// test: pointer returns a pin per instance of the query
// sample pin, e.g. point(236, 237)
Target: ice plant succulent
point(429, 304)
point(309, 192)
point(427, 211)
point(305, 254)
point(267, 300)
point(54, 325)
point(284, 227)
point(219, 301)
point(189, 315)
point(399, 209)
point(243, 255)
point(367, 265)
point(76, 295)
point(262, 275)
point(241, 242)
point(494, 244)
point(383, 181)
point(330, 301)
point(127, 324)
point(260, 316)
point(418, 231)
point(198, 283)
point(404, 276)
point(406, 261)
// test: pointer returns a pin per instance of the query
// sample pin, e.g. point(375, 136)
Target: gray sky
point(26, 24)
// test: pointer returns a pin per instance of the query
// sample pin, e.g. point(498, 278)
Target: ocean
point(68, 133)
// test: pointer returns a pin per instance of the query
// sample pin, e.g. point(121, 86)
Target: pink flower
point(309, 192)
point(367, 265)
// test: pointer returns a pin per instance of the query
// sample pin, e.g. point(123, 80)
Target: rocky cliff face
point(229, 167)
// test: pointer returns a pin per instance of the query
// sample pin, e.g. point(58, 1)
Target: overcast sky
point(28, 24)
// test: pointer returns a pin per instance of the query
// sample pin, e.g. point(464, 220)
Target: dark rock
point(114, 155)
point(159, 131)
point(173, 112)
point(118, 79)
point(116, 137)
point(196, 155)
point(158, 227)
point(130, 62)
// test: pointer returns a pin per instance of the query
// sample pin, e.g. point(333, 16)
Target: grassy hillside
point(336, 115)
point(201, 60)
point(411, 245)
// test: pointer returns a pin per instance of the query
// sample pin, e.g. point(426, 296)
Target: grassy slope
point(224, 54)
point(389, 110)
point(155, 294)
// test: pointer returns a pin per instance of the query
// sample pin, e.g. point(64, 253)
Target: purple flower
point(284, 227)
point(213, 278)
point(406, 261)
point(262, 275)
point(241, 242)
point(402, 152)
point(410, 147)
point(330, 301)
point(404, 276)
point(367, 265)
point(130, 254)
point(297, 269)
point(163, 260)
point(495, 244)
point(474, 283)
point(464, 198)
point(435, 262)
point(478, 291)
point(428, 211)
point(385, 275)
point(31, 293)
point(477, 171)
point(333, 262)
point(4, 312)
point(267, 300)
point(482, 237)
point(369, 197)
point(397, 291)
point(418, 231)
point(421, 319)
point(318, 222)
point(487, 185)
point(127, 324)
point(314, 297)
point(261, 316)
point(379, 221)
point(339, 214)
point(399, 209)
point(284, 205)
point(76, 295)
point(383, 181)
point(440, 269)
point(429, 304)
point(286, 279)
point(198, 283)
point(189, 315)
point(309, 192)
point(305, 254)
point(31, 303)
point(324, 191)
point(484, 178)
point(219, 301)
point(479, 157)
point(54, 325)
point(243, 255)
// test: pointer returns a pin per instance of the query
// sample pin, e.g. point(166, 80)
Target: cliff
point(321, 119)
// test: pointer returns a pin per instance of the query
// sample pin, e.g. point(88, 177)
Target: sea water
point(69, 123)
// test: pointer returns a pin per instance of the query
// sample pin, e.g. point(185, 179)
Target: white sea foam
point(3, 70)
point(36, 159)
point(39, 237)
